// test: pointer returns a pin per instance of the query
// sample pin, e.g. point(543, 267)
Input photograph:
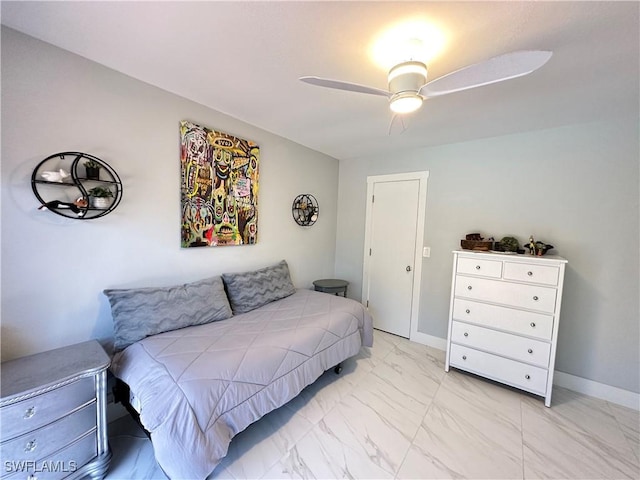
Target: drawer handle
point(530, 273)
point(30, 446)
point(527, 376)
point(535, 298)
point(468, 311)
point(466, 334)
point(469, 287)
point(477, 267)
point(30, 412)
point(530, 350)
point(464, 357)
point(533, 325)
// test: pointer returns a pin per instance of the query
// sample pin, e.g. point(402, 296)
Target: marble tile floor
point(394, 413)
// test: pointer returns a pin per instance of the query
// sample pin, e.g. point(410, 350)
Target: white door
point(394, 228)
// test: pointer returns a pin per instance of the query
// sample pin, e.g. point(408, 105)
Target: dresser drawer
point(58, 465)
point(532, 297)
point(505, 344)
point(480, 267)
point(526, 272)
point(46, 440)
point(27, 415)
point(522, 322)
point(511, 372)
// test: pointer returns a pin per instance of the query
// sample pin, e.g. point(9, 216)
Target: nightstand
point(331, 285)
point(53, 414)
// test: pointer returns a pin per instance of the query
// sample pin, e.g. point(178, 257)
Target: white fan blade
point(497, 69)
point(350, 87)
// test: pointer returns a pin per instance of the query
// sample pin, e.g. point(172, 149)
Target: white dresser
point(503, 318)
point(53, 414)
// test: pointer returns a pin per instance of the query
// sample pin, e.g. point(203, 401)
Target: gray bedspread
point(199, 386)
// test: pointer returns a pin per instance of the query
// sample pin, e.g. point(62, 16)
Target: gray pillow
point(250, 290)
point(140, 312)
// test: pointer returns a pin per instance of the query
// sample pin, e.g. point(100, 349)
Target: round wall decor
point(305, 209)
point(76, 185)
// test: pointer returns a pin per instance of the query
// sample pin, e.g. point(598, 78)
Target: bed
point(197, 386)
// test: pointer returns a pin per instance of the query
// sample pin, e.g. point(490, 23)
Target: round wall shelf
point(305, 209)
point(76, 185)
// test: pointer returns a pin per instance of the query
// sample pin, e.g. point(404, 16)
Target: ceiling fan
point(408, 86)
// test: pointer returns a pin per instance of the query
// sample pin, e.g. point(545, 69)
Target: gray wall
point(574, 187)
point(54, 269)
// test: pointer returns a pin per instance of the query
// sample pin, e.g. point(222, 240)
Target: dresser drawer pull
point(530, 273)
point(530, 350)
point(29, 412)
point(535, 298)
point(467, 311)
point(466, 334)
point(469, 287)
point(477, 267)
point(527, 376)
point(533, 325)
point(30, 446)
point(464, 357)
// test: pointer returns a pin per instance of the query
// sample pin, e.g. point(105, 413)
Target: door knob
point(408, 268)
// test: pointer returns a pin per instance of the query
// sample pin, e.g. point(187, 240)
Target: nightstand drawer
point(27, 415)
point(47, 440)
point(531, 297)
point(505, 344)
point(522, 322)
point(59, 465)
point(525, 272)
point(517, 374)
point(480, 267)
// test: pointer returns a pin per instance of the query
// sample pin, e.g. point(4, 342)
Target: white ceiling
point(244, 59)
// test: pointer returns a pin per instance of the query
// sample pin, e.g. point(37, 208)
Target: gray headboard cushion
point(250, 290)
point(140, 312)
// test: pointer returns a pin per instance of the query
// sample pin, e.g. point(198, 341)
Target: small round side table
point(331, 285)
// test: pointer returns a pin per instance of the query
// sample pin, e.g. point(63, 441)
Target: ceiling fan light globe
point(405, 103)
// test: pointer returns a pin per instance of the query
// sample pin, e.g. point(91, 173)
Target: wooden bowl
point(481, 245)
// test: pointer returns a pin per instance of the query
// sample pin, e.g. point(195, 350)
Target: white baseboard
point(599, 390)
point(429, 340)
point(577, 384)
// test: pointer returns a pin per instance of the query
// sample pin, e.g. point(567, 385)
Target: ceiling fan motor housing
point(407, 77)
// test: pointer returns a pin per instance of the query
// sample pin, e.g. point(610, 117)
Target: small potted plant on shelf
point(92, 169)
point(100, 197)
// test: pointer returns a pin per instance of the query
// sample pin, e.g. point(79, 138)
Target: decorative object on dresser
point(475, 241)
point(53, 414)
point(68, 194)
point(503, 318)
point(537, 248)
point(508, 245)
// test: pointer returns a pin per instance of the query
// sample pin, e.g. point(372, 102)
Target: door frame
point(422, 177)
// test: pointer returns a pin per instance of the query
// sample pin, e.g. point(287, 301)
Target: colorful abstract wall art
point(219, 188)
